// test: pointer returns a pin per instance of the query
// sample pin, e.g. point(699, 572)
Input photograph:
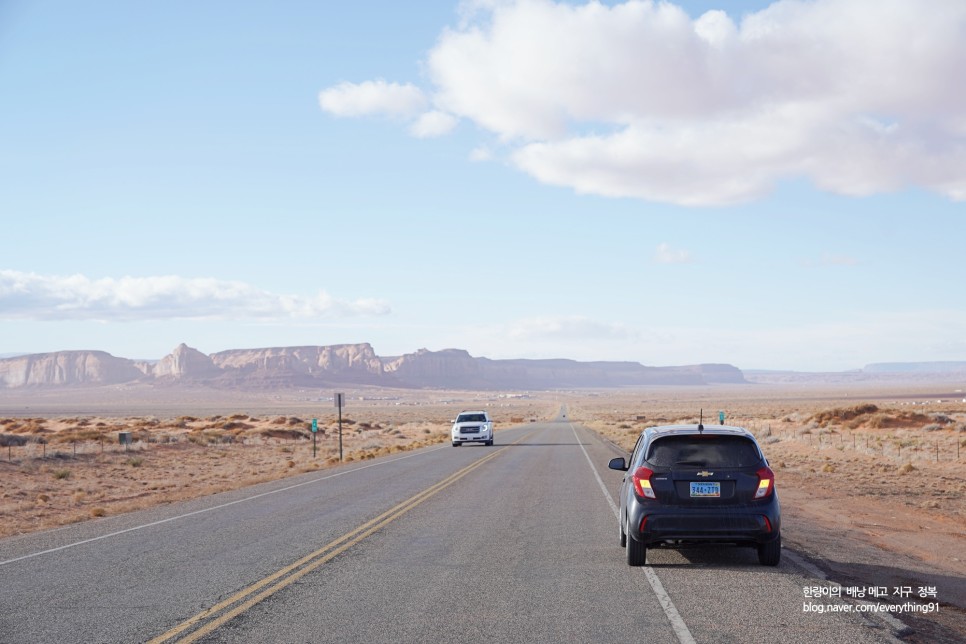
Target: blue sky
point(668, 183)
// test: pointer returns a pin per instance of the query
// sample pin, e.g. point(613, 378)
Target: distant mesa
point(345, 364)
point(184, 362)
point(879, 372)
point(916, 367)
point(66, 368)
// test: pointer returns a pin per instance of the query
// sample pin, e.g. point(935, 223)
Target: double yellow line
point(219, 614)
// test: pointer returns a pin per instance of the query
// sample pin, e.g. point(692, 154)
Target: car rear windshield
point(703, 451)
point(471, 418)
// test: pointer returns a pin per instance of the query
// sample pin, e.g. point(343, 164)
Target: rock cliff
point(346, 364)
point(67, 368)
point(185, 362)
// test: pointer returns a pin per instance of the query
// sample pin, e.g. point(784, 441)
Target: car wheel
point(620, 526)
point(769, 554)
point(455, 444)
point(489, 443)
point(636, 551)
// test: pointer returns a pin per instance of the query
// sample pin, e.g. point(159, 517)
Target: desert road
point(512, 543)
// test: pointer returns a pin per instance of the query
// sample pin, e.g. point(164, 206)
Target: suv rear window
point(703, 451)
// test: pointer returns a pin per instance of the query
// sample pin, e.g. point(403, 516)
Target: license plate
point(706, 489)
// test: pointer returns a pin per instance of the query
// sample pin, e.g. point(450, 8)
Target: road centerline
point(240, 602)
point(220, 506)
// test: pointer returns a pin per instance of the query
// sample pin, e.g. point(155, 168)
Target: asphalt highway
point(512, 543)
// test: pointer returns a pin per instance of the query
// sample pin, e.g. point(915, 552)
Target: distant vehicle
point(692, 485)
point(472, 427)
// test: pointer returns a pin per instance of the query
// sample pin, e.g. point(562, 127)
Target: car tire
point(769, 554)
point(636, 552)
point(489, 443)
point(620, 527)
point(455, 444)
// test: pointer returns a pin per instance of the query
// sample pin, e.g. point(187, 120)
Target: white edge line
point(893, 623)
point(214, 507)
point(670, 610)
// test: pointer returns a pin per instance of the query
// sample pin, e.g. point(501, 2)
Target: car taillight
point(642, 482)
point(766, 483)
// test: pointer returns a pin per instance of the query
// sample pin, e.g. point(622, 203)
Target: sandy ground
point(872, 483)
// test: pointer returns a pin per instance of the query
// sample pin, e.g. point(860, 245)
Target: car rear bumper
point(754, 524)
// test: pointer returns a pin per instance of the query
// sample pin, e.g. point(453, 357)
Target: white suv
point(472, 427)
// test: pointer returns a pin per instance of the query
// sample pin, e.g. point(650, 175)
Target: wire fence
point(905, 445)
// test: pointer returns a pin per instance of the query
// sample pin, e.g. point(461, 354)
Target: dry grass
point(59, 470)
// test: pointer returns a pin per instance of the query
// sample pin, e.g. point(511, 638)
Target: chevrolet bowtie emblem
point(705, 473)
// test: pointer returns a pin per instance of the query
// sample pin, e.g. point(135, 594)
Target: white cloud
point(373, 98)
point(639, 100)
point(568, 327)
point(433, 124)
point(28, 296)
point(667, 255)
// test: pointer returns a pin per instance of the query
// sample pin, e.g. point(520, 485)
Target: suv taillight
point(642, 482)
point(766, 483)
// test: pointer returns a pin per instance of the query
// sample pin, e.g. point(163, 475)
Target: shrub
point(135, 461)
point(844, 413)
point(98, 512)
point(12, 440)
point(61, 475)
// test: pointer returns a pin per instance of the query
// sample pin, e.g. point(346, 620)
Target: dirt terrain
point(872, 482)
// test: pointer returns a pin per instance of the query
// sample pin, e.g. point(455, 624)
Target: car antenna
point(701, 422)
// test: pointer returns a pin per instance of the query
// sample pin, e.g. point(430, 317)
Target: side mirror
point(618, 464)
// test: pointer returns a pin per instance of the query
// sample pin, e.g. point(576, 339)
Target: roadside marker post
point(339, 401)
point(315, 431)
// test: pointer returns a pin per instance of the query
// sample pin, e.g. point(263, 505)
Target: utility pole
point(339, 401)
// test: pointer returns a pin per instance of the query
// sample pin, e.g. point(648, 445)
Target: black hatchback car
point(691, 485)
